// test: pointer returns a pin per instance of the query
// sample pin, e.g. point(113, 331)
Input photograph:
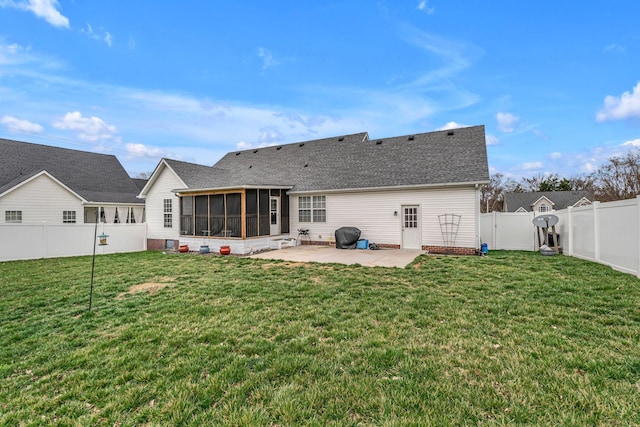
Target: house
point(44, 184)
point(545, 201)
point(396, 190)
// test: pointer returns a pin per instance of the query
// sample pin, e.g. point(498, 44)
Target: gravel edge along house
point(417, 191)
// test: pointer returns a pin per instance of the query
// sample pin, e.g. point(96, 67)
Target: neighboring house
point(44, 184)
point(395, 190)
point(545, 201)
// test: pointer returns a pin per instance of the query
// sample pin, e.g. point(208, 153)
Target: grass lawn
point(512, 338)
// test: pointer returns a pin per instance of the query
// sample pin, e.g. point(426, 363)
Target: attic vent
point(277, 148)
point(449, 132)
point(378, 142)
point(411, 137)
point(301, 145)
point(255, 151)
point(341, 138)
point(238, 153)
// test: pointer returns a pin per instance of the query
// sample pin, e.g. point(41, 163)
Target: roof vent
point(238, 153)
point(250, 166)
point(277, 148)
point(449, 132)
point(411, 137)
point(379, 142)
point(341, 138)
point(301, 144)
point(306, 164)
point(255, 151)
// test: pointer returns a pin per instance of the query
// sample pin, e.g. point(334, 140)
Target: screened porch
point(236, 214)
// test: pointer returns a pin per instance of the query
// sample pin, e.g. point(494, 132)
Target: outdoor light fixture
point(395, 213)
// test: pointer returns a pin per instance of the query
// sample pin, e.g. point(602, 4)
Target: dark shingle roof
point(95, 177)
point(560, 199)
point(351, 162)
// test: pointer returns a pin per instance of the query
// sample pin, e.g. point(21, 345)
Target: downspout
point(478, 230)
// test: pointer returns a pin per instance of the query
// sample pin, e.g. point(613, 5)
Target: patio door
point(274, 215)
point(411, 232)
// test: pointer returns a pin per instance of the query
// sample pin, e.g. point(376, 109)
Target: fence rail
point(606, 233)
point(33, 241)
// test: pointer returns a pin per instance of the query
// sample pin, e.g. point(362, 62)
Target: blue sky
point(557, 84)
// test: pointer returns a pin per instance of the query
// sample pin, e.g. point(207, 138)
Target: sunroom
point(246, 218)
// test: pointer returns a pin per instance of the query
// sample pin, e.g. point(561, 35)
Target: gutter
point(476, 184)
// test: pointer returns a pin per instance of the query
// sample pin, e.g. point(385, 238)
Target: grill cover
point(347, 237)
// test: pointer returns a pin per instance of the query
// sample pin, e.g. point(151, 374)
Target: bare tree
point(492, 194)
point(144, 175)
point(619, 178)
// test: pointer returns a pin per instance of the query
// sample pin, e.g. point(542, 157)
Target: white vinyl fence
point(32, 241)
point(607, 233)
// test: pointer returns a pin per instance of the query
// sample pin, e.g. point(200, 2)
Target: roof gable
point(162, 166)
point(15, 186)
point(559, 199)
point(94, 177)
point(543, 199)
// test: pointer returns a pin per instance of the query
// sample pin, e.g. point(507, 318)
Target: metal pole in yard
point(93, 261)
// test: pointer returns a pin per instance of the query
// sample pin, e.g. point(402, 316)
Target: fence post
point(569, 235)
point(638, 221)
point(596, 232)
point(494, 226)
point(45, 240)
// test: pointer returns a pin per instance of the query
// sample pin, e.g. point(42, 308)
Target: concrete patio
point(329, 254)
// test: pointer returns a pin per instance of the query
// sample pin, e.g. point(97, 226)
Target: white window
point(543, 208)
point(68, 217)
point(13, 216)
point(312, 209)
point(168, 214)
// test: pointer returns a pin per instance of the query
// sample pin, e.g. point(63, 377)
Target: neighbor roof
point(94, 177)
point(350, 162)
point(560, 199)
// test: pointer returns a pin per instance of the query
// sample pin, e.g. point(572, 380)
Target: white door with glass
point(411, 234)
point(274, 215)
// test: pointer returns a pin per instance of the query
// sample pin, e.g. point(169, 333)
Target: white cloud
point(507, 122)
point(452, 125)
point(625, 106)
point(539, 134)
point(20, 126)
point(632, 143)
point(532, 166)
point(89, 128)
point(271, 135)
point(45, 9)
point(267, 58)
point(99, 34)
point(555, 155)
point(454, 55)
point(614, 47)
point(141, 150)
point(424, 6)
point(491, 139)
point(244, 145)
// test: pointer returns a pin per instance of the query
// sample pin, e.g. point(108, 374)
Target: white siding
point(154, 203)
point(373, 213)
point(41, 200)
